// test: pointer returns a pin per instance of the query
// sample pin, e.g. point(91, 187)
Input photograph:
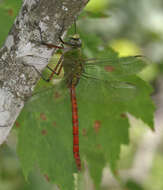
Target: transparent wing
point(116, 66)
point(57, 91)
point(111, 74)
point(117, 90)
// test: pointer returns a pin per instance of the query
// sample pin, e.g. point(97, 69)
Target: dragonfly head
point(75, 41)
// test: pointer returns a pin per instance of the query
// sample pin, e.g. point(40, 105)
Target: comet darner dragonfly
point(109, 72)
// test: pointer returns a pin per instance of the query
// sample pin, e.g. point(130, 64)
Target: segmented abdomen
point(75, 127)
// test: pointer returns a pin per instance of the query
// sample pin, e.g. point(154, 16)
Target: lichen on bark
point(37, 20)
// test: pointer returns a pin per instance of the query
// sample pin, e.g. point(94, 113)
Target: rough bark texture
point(22, 52)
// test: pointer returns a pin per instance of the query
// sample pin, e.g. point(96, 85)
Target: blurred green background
point(132, 28)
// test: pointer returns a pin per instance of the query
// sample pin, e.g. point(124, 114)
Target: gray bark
point(22, 52)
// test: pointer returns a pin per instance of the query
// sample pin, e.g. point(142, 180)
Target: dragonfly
point(110, 72)
point(73, 69)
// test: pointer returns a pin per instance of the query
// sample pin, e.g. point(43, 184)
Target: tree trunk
point(38, 20)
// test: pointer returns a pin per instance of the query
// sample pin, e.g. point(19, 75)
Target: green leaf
point(114, 68)
point(8, 11)
point(142, 106)
point(93, 46)
point(104, 96)
point(45, 138)
point(93, 15)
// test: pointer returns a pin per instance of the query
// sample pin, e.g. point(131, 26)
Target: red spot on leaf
point(97, 125)
point(57, 95)
point(17, 124)
point(123, 115)
point(99, 146)
point(109, 68)
point(44, 132)
point(11, 12)
point(54, 124)
point(84, 132)
point(43, 116)
point(46, 177)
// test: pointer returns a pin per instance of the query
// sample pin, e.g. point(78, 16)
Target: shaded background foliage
point(133, 27)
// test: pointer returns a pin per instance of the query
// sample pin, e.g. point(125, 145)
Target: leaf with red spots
point(11, 12)
point(54, 124)
point(109, 68)
point(17, 124)
point(56, 95)
point(44, 132)
point(42, 116)
point(123, 115)
point(105, 120)
point(104, 98)
point(46, 177)
point(49, 142)
point(96, 126)
point(8, 11)
point(84, 132)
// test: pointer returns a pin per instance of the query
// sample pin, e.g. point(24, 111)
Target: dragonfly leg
point(63, 42)
point(57, 72)
point(41, 75)
point(54, 71)
point(52, 45)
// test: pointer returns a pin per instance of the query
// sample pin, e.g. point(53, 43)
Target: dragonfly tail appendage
point(75, 128)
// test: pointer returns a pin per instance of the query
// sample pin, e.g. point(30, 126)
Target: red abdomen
point(75, 128)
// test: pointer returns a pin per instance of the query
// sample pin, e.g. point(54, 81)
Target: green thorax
point(72, 65)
